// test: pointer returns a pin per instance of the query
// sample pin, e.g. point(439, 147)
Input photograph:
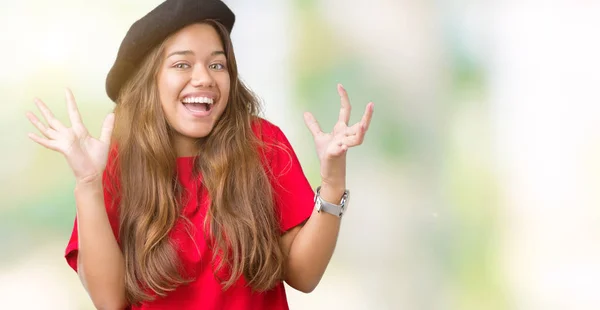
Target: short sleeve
point(110, 203)
point(294, 197)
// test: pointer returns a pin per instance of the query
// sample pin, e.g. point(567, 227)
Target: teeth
point(198, 100)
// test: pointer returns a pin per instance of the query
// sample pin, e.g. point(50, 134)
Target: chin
point(198, 133)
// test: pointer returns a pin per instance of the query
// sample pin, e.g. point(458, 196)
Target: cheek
point(170, 85)
point(224, 86)
point(168, 94)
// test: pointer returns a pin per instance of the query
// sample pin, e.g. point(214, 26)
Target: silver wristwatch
point(337, 210)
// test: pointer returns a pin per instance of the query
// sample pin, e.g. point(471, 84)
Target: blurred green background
point(477, 184)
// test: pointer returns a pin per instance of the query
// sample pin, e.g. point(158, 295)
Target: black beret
point(152, 29)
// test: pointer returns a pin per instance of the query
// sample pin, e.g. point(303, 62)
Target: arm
point(309, 247)
point(100, 263)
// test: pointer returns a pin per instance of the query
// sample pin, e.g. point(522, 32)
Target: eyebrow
point(189, 52)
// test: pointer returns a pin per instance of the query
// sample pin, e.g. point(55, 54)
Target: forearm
point(313, 246)
point(101, 266)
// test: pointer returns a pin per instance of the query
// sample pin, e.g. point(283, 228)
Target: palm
point(97, 151)
point(85, 155)
point(324, 141)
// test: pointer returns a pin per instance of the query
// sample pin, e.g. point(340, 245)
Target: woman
point(193, 201)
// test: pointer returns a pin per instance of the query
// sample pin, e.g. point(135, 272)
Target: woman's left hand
point(331, 147)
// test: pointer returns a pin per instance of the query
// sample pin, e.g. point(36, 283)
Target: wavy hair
point(241, 224)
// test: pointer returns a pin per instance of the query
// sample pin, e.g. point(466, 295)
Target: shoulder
point(273, 141)
point(267, 132)
point(274, 145)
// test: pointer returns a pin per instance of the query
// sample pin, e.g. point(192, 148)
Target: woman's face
point(193, 84)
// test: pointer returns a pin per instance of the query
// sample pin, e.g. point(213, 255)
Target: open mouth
point(198, 104)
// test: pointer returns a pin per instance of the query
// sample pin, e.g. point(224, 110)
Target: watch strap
point(337, 210)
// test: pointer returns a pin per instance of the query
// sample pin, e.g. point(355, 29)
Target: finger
point(43, 142)
point(312, 124)
point(351, 141)
point(353, 129)
point(107, 128)
point(50, 119)
point(366, 119)
point(356, 138)
point(340, 149)
point(346, 108)
point(74, 114)
point(364, 123)
point(39, 125)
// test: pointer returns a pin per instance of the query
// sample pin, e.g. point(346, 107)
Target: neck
point(185, 146)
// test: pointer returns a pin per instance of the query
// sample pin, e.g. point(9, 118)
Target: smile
point(198, 106)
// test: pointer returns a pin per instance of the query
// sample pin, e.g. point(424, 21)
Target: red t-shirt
point(294, 204)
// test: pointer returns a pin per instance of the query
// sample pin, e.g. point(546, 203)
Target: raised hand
point(85, 155)
point(331, 147)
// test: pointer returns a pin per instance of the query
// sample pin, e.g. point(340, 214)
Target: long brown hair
point(241, 223)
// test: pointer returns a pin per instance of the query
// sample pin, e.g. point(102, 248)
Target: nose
point(202, 77)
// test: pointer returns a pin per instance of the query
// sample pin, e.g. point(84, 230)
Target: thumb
point(107, 128)
point(312, 124)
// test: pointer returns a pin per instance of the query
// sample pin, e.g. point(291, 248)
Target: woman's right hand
point(85, 154)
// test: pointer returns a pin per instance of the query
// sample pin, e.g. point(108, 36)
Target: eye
point(217, 66)
point(181, 65)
